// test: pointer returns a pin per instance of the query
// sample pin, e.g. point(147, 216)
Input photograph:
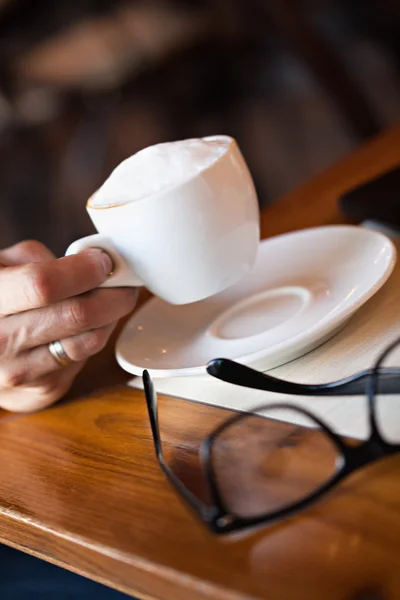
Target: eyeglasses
point(264, 465)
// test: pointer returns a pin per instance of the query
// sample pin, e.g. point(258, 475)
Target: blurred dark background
point(84, 84)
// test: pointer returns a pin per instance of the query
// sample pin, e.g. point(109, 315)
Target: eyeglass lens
point(267, 462)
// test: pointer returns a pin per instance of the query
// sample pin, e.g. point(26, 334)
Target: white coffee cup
point(187, 242)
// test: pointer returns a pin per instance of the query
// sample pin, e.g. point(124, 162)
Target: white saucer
point(302, 289)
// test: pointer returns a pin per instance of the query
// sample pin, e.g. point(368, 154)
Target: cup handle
point(122, 275)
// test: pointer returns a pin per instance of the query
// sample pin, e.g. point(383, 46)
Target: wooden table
point(80, 486)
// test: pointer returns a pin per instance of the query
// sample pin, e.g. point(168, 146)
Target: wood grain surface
point(80, 486)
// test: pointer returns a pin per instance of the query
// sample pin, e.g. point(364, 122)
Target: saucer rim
point(255, 359)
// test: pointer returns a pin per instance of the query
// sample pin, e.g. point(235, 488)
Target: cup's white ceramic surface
point(187, 242)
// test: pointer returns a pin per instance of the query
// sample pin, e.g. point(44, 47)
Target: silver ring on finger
point(57, 351)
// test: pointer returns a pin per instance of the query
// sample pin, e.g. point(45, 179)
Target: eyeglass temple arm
point(151, 401)
point(238, 374)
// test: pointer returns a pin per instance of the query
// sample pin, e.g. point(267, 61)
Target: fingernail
point(105, 261)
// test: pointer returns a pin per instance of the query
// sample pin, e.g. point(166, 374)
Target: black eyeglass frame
point(217, 517)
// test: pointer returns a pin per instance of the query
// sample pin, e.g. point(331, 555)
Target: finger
point(29, 251)
point(41, 393)
point(39, 284)
point(33, 365)
point(71, 317)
